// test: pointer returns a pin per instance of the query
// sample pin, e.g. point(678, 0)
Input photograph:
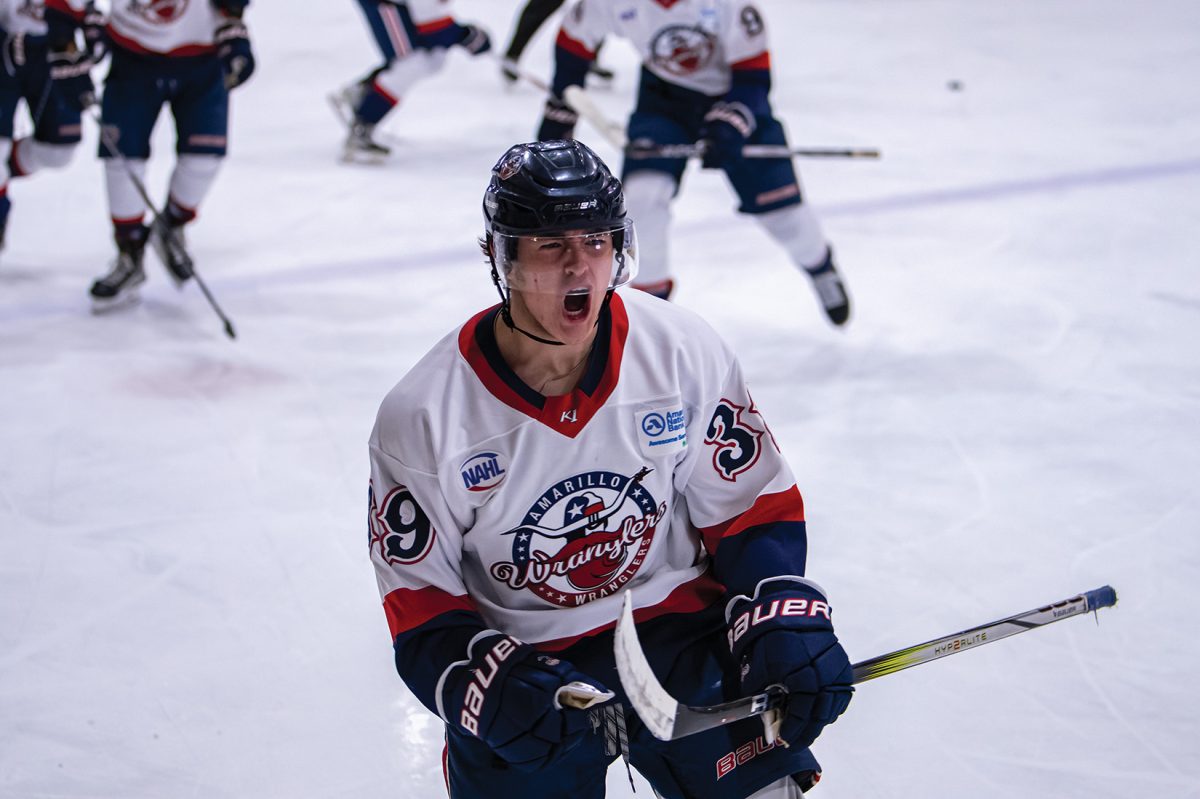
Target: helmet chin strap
point(506, 316)
point(506, 311)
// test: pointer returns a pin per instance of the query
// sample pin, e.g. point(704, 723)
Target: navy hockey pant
point(137, 88)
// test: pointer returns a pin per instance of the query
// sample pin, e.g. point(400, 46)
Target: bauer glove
point(726, 128)
point(70, 72)
point(12, 53)
point(475, 40)
point(783, 635)
point(233, 48)
point(558, 121)
point(95, 33)
point(529, 707)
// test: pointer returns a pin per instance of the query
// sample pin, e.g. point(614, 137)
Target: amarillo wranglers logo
point(159, 12)
point(583, 539)
point(680, 50)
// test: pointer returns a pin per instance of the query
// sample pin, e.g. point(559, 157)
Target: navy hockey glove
point(510, 696)
point(95, 33)
point(233, 48)
point(70, 71)
point(558, 121)
point(726, 128)
point(12, 52)
point(784, 636)
point(475, 40)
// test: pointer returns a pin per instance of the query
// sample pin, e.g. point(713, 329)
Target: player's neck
point(548, 369)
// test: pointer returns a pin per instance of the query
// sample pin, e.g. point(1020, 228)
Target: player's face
point(561, 281)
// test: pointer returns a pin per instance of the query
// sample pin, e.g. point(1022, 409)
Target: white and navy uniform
point(25, 75)
point(163, 55)
point(495, 508)
point(413, 36)
point(695, 53)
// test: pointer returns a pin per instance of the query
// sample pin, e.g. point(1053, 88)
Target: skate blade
point(160, 248)
point(341, 108)
point(104, 306)
point(362, 157)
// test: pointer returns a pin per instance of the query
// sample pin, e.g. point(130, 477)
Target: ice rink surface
point(1012, 416)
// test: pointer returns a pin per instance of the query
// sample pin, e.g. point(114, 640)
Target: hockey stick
point(668, 719)
point(696, 150)
point(509, 65)
point(613, 132)
point(110, 144)
point(579, 101)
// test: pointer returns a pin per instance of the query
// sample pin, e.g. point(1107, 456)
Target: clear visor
point(571, 262)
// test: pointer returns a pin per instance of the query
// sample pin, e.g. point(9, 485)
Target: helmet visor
point(570, 262)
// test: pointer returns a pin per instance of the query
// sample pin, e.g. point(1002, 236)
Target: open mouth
point(576, 304)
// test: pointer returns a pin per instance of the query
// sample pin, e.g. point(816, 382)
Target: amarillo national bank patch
point(483, 470)
point(661, 431)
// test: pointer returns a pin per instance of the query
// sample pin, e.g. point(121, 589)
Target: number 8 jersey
point(493, 507)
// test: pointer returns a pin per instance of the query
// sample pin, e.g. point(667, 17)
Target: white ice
point(1013, 415)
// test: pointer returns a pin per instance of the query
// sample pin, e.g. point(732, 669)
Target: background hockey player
point(533, 15)
point(187, 56)
point(413, 37)
point(45, 66)
point(560, 447)
point(706, 75)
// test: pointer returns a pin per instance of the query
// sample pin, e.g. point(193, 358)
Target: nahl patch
point(482, 471)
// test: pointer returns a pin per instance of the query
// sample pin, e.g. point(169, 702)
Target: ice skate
point(344, 101)
point(509, 71)
point(831, 291)
point(361, 147)
point(171, 248)
point(120, 286)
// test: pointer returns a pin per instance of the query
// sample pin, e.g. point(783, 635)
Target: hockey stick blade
point(613, 132)
point(668, 719)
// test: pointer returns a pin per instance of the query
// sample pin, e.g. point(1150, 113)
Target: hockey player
point(44, 66)
point(567, 444)
point(706, 75)
point(413, 36)
point(187, 56)
point(533, 15)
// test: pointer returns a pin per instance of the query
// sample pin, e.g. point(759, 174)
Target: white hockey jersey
point(23, 16)
point(157, 27)
point(535, 513)
point(430, 15)
point(691, 43)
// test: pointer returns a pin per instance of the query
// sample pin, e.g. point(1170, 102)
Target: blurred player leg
point(796, 228)
point(769, 189)
point(127, 209)
point(652, 183)
point(648, 196)
point(201, 111)
point(376, 100)
point(133, 97)
point(533, 16)
point(191, 179)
